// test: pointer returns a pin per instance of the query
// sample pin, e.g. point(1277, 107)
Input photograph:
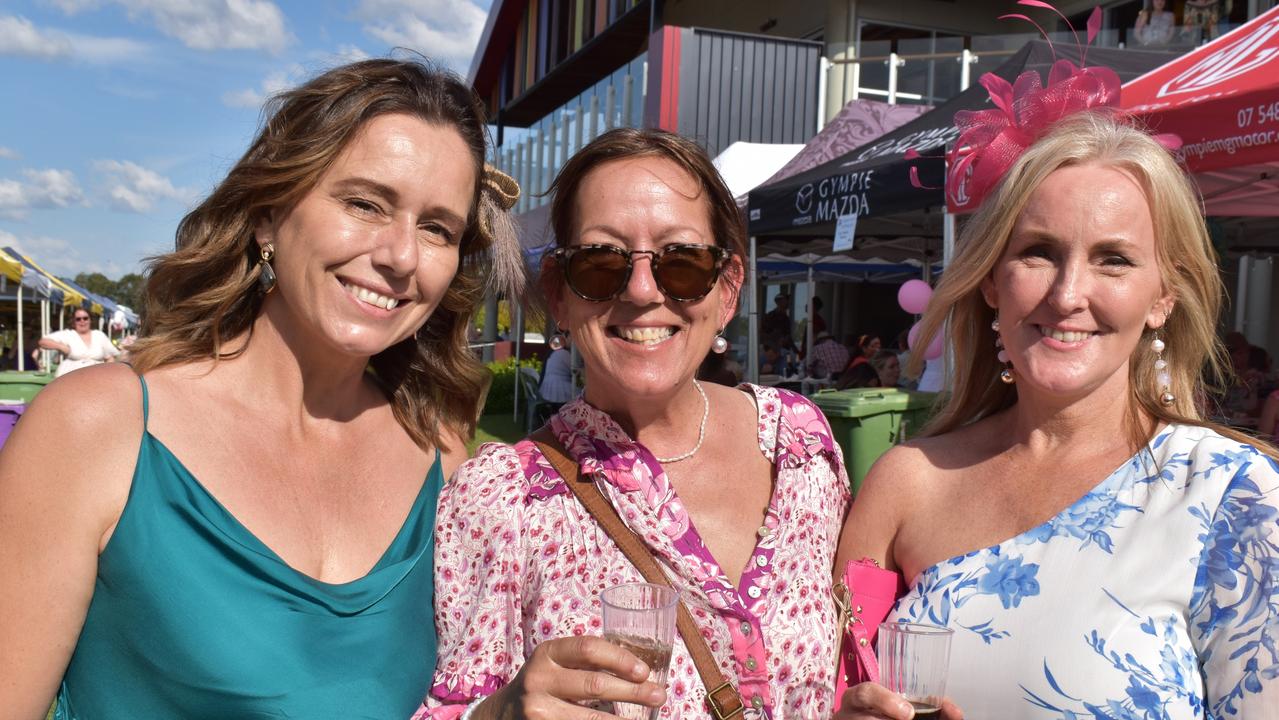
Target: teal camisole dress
point(194, 617)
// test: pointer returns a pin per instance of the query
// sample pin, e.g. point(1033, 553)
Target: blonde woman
point(249, 534)
point(1099, 549)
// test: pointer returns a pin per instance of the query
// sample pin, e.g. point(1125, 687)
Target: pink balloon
point(934, 349)
point(913, 296)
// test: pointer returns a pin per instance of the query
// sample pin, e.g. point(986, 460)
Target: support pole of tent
point(893, 64)
point(966, 60)
point(1241, 292)
point(22, 352)
point(823, 71)
point(947, 238)
point(62, 316)
point(752, 333)
point(519, 341)
point(808, 329)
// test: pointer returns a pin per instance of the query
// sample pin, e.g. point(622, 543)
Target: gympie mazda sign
point(1222, 99)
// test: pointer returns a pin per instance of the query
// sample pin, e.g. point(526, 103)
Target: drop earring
point(1163, 378)
point(719, 344)
point(266, 273)
point(559, 340)
point(1006, 374)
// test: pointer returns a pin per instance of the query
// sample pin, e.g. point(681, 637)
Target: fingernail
point(641, 670)
point(905, 709)
point(657, 696)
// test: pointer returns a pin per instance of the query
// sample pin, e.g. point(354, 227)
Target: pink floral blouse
point(520, 561)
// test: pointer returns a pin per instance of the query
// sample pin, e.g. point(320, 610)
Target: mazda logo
point(804, 199)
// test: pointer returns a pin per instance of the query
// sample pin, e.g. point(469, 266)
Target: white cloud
point(133, 188)
point(348, 54)
point(8, 153)
point(204, 24)
point(20, 37)
point(58, 256)
point(216, 24)
point(47, 188)
point(71, 7)
point(273, 83)
point(444, 30)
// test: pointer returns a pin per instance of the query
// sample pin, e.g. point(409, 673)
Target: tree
point(126, 291)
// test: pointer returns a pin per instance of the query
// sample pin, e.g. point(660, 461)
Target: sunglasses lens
point(687, 273)
point(597, 273)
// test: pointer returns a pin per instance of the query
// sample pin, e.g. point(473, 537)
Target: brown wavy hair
point(623, 143)
point(205, 293)
point(1187, 265)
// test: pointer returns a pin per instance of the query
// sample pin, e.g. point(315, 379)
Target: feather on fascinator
point(990, 141)
point(498, 194)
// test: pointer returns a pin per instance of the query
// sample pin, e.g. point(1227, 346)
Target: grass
point(497, 427)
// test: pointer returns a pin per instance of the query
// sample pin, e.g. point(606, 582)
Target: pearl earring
point(719, 344)
point(1163, 378)
point(1006, 374)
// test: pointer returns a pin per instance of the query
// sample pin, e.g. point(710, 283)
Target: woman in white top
point(80, 347)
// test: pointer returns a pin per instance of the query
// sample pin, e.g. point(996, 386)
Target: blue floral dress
point(1155, 595)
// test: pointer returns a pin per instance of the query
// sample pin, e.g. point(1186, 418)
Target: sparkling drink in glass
point(641, 618)
point(913, 661)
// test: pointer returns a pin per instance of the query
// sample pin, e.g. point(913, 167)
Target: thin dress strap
point(144, 402)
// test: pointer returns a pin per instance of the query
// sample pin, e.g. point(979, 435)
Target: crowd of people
point(280, 518)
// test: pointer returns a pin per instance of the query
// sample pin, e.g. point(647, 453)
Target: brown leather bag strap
point(724, 699)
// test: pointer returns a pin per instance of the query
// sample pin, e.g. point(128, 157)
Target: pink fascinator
point(990, 141)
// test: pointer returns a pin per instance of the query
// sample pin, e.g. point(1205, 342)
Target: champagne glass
point(641, 618)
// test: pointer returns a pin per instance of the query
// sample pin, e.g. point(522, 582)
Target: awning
point(10, 268)
point(1222, 99)
point(64, 293)
point(874, 179)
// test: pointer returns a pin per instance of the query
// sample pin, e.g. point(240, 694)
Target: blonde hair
point(205, 293)
point(1186, 260)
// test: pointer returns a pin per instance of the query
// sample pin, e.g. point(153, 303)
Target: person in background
point(777, 322)
point(861, 375)
point(251, 533)
point(770, 360)
point(1205, 15)
point(865, 347)
point(819, 322)
point(1268, 423)
point(557, 377)
point(81, 346)
point(887, 368)
point(1097, 546)
point(650, 259)
point(828, 358)
point(1155, 24)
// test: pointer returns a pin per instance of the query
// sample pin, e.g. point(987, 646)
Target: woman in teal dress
point(242, 527)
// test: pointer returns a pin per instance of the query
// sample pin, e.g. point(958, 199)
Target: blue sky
point(117, 115)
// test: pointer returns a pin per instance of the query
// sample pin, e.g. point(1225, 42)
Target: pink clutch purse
point(864, 595)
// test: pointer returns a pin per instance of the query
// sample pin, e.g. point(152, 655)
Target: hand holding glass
point(913, 660)
point(640, 617)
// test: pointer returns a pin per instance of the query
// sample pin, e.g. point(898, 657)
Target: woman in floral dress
point(1099, 549)
point(739, 493)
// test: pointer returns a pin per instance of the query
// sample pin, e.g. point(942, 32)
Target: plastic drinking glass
point(913, 661)
point(641, 618)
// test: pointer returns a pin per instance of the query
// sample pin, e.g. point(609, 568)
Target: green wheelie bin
point(21, 387)
point(868, 421)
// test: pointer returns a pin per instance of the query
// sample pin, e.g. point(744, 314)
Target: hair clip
point(503, 186)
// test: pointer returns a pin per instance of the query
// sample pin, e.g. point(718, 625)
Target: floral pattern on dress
point(1155, 595)
point(520, 561)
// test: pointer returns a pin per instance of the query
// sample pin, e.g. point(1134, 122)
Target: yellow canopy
point(70, 296)
point(10, 268)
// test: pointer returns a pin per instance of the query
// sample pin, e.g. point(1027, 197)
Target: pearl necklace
point(701, 430)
